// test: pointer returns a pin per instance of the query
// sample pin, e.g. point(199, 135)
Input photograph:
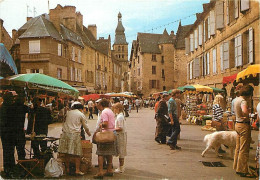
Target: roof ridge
point(42, 21)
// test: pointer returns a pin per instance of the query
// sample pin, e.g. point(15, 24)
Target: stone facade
point(223, 41)
point(59, 45)
point(158, 62)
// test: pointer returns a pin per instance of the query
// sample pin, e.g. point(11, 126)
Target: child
point(120, 127)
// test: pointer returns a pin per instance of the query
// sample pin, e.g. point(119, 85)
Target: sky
point(151, 16)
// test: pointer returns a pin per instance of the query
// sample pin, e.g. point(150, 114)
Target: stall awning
point(229, 79)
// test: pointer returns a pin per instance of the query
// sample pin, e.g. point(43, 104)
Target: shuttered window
point(204, 31)
point(251, 46)
point(79, 75)
point(212, 22)
point(219, 14)
point(225, 55)
point(227, 14)
point(207, 63)
point(214, 60)
point(200, 34)
point(238, 50)
point(191, 43)
point(34, 47)
point(187, 45)
point(244, 5)
point(71, 73)
point(196, 38)
point(59, 50)
point(188, 68)
point(41, 71)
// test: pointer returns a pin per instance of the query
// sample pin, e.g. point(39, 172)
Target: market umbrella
point(217, 90)
point(250, 74)
point(41, 81)
point(7, 64)
point(195, 88)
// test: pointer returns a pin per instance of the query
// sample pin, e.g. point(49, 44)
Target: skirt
point(70, 143)
point(107, 149)
point(121, 144)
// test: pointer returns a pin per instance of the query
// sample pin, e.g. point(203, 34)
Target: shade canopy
point(196, 88)
point(251, 73)
point(229, 79)
point(7, 64)
point(94, 96)
point(42, 81)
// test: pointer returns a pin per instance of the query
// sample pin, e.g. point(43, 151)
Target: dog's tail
point(206, 138)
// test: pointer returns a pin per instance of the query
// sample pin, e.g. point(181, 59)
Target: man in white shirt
point(137, 104)
point(126, 106)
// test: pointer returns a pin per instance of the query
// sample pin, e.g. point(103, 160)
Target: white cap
point(76, 102)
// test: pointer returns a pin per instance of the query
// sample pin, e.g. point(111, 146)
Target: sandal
point(247, 175)
point(109, 174)
point(79, 173)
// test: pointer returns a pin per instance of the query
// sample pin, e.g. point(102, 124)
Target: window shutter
point(196, 38)
point(191, 70)
point(158, 84)
point(207, 62)
point(191, 43)
point(187, 45)
point(226, 55)
point(79, 56)
point(236, 8)
point(212, 22)
point(238, 50)
point(59, 49)
point(200, 34)
point(221, 57)
point(209, 32)
point(219, 14)
point(251, 46)
point(41, 71)
point(150, 84)
point(28, 71)
point(204, 31)
point(76, 74)
point(196, 68)
point(214, 59)
point(188, 68)
point(244, 5)
point(71, 73)
point(227, 2)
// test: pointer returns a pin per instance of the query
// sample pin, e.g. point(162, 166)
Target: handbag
point(104, 137)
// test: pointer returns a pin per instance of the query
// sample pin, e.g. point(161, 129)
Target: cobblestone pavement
point(148, 160)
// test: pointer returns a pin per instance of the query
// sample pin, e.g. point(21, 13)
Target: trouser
point(242, 147)
point(175, 132)
point(90, 113)
point(35, 147)
point(8, 144)
point(137, 107)
point(160, 133)
point(126, 110)
point(20, 144)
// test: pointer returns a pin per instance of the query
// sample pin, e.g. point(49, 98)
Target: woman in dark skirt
point(107, 123)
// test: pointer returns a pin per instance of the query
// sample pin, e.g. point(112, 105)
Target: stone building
point(156, 62)
point(223, 41)
point(5, 37)
point(59, 45)
point(120, 51)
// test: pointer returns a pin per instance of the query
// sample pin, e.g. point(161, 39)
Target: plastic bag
point(53, 169)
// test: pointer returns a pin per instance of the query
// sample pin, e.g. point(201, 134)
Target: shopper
point(90, 108)
point(243, 130)
point(161, 120)
point(70, 140)
point(120, 127)
point(173, 113)
point(108, 150)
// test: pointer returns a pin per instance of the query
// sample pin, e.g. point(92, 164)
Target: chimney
point(172, 32)
point(14, 35)
point(1, 29)
point(79, 20)
point(93, 30)
point(28, 18)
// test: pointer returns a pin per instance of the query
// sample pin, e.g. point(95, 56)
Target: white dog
point(214, 141)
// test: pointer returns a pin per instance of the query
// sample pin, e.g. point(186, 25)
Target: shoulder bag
point(104, 137)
